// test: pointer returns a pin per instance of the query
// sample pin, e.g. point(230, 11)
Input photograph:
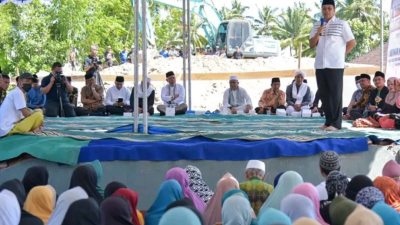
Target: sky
point(276, 4)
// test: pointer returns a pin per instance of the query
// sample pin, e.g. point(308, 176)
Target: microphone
point(322, 24)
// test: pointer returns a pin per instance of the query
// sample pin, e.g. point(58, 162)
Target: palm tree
point(317, 16)
point(238, 8)
point(365, 10)
point(228, 14)
point(267, 19)
point(196, 39)
point(294, 26)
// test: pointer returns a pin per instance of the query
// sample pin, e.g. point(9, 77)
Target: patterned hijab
point(308, 190)
point(363, 216)
point(181, 176)
point(287, 182)
point(197, 184)
point(369, 196)
point(212, 213)
point(389, 215)
point(356, 184)
point(390, 190)
point(336, 184)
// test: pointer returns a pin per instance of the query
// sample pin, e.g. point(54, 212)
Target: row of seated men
point(119, 99)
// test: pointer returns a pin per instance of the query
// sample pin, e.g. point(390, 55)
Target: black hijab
point(83, 212)
point(187, 203)
point(356, 184)
point(112, 187)
point(35, 176)
point(16, 187)
point(115, 210)
point(85, 177)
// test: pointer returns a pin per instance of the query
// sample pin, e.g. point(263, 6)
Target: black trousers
point(53, 109)
point(330, 85)
point(80, 111)
point(345, 110)
point(356, 113)
point(273, 110)
point(117, 110)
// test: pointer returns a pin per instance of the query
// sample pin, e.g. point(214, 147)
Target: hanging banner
point(393, 54)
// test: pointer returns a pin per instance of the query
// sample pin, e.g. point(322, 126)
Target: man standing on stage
point(334, 40)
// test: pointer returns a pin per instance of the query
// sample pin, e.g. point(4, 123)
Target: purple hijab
point(181, 176)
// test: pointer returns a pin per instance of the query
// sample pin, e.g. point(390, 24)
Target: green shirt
point(258, 192)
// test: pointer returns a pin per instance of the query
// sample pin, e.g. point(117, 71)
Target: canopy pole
point(382, 44)
point(189, 56)
point(184, 45)
point(136, 71)
point(144, 66)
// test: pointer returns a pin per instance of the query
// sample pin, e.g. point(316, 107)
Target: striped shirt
point(331, 47)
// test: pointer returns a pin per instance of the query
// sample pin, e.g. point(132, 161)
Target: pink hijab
point(308, 190)
point(392, 170)
point(212, 212)
point(392, 96)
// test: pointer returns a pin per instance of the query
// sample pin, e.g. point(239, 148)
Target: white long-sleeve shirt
point(113, 94)
point(167, 94)
point(243, 101)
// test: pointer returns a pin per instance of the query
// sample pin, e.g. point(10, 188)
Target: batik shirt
point(270, 97)
point(362, 103)
point(258, 192)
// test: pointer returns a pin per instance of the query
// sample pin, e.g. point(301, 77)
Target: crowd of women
point(184, 199)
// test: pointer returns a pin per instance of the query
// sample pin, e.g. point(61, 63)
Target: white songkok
point(256, 164)
point(298, 72)
point(234, 78)
point(148, 80)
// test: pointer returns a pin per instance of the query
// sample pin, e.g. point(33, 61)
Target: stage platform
point(188, 137)
point(214, 143)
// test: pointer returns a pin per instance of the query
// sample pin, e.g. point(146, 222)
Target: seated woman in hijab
point(115, 210)
point(10, 213)
point(169, 192)
point(86, 177)
point(150, 97)
point(16, 187)
point(35, 176)
point(236, 209)
point(181, 176)
point(82, 212)
point(40, 202)
point(197, 184)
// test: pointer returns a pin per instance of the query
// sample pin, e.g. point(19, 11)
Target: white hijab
point(63, 203)
point(302, 90)
point(10, 211)
point(149, 90)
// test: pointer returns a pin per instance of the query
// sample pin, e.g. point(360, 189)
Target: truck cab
point(232, 33)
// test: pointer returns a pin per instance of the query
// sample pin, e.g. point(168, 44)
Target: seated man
point(272, 98)
point(172, 94)
point(150, 97)
point(72, 96)
point(56, 93)
point(354, 99)
point(358, 109)
point(298, 94)
point(377, 97)
point(4, 84)
point(34, 98)
point(117, 97)
point(235, 98)
point(254, 186)
point(91, 98)
point(15, 117)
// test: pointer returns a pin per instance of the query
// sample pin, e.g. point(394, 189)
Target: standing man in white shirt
point(235, 99)
point(334, 40)
point(173, 95)
point(15, 117)
point(117, 97)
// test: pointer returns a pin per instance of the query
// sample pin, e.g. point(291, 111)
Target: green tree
point(228, 14)
point(267, 19)
point(294, 26)
point(365, 10)
point(238, 8)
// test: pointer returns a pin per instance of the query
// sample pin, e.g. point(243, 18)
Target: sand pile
point(213, 64)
